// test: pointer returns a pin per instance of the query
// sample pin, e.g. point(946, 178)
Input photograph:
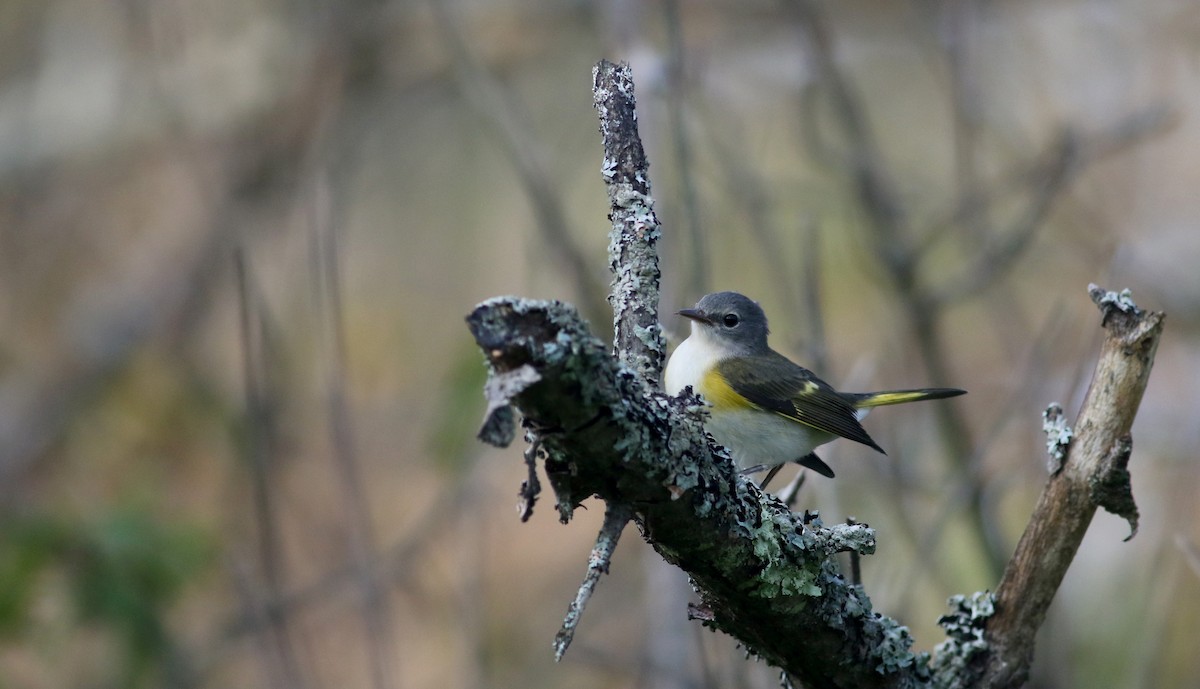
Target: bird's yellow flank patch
point(720, 395)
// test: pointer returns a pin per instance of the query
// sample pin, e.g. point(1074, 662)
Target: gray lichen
point(1120, 301)
point(953, 660)
point(1058, 436)
point(633, 240)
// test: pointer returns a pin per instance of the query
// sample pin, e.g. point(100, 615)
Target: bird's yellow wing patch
point(720, 395)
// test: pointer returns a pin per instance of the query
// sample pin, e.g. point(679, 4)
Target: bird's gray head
point(732, 320)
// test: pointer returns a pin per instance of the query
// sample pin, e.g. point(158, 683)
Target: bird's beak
point(695, 315)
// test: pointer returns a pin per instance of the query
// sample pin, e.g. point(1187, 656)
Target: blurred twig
point(1044, 182)
point(965, 98)
point(810, 286)
point(37, 405)
point(325, 253)
point(1035, 367)
point(394, 565)
point(281, 661)
point(699, 281)
point(497, 107)
point(802, 296)
point(1191, 554)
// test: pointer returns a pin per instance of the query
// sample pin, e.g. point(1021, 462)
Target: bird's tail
point(867, 400)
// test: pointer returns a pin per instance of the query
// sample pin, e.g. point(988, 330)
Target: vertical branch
point(497, 108)
point(959, 23)
point(1094, 475)
point(698, 276)
point(277, 657)
point(260, 447)
point(328, 298)
point(633, 242)
point(875, 186)
point(810, 286)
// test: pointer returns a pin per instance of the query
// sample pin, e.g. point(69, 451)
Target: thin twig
point(380, 635)
point(895, 251)
point(810, 286)
point(698, 283)
point(925, 544)
point(282, 662)
point(498, 108)
point(874, 184)
point(277, 658)
point(616, 516)
point(395, 566)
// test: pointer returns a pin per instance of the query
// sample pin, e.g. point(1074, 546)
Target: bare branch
point(1093, 473)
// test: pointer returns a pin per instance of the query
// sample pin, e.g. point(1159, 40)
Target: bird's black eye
point(730, 320)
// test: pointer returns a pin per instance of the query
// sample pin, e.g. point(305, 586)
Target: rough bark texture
point(633, 241)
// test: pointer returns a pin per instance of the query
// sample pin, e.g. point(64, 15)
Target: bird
point(767, 410)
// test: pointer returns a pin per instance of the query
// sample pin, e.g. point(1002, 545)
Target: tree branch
point(616, 516)
point(764, 575)
point(1093, 475)
point(633, 241)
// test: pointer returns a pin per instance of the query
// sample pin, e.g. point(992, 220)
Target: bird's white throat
point(692, 359)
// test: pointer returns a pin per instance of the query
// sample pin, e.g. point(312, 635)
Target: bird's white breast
point(691, 360)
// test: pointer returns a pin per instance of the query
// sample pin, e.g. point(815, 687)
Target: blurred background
point(238, 240)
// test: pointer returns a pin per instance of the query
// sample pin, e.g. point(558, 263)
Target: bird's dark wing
point(774, 383)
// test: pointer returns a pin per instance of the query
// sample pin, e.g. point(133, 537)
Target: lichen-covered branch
point(1093, 475)
point(633, 241)
point(764, 576)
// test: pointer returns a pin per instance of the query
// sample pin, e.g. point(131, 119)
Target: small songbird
point(767, 410)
